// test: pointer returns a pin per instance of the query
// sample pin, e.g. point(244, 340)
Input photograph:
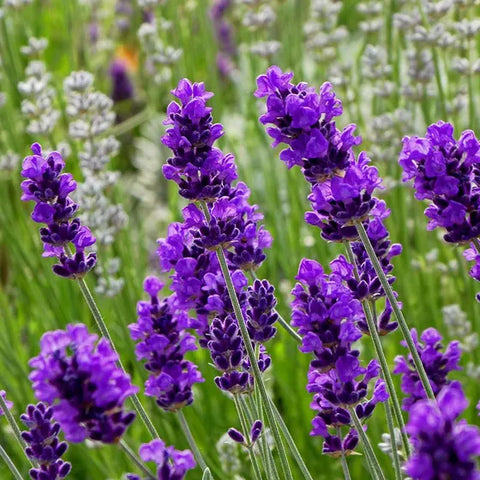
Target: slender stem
point(346, 471)
point(253, 363)
point(291, 444)
point(271, 469)
point(10, 464)
point(105, 333)
point(293, 333)
point(366, 444)
point(372, 327)
point(124, 446)
point(388, 413)
point(393, 442)
point(396, 310)
point(243, 420)
point(257, 375)
point(13, 425)
point(191, 441)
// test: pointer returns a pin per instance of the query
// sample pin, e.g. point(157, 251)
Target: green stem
point(372, 327)
point(366, 444)
point(257, 375)
point(271, 469)
point(291, 444)
point(288, 328)
point(10, 464)
point(253, 363)
point(105, 333)
point(13, 425)
point(191, 441)
point(243, 420)
point(346, 471)
point(396, 310)
point(393, 442)
point(124, 446)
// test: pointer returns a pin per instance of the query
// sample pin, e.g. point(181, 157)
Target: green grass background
point(33, 300)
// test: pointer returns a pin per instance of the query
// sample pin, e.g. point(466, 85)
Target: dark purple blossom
point(80, 379)
point(260, 312)
point(303, 120)
point(446, 172)
point(438, 364)
point(50, 189)
point(201, 171)
point(122, 87)
point(445, 448)
point(162, 339)
point(171, 464)
point(228, 354)
point(43, 445)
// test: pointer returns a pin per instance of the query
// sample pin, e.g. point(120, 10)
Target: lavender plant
point(92, 116)
point(445, 173)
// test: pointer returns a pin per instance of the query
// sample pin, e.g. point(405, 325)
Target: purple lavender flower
point(326, 313)
point(44, 447)
point(228, 354)
point(122, 87)
point(444, 447)
point(163, 342)
point(50, 189)
point(9, 404)
point(446, 172)
point(260, 312)
point(201, 171)
point(80, 379)
point(346, 199)
point(303, 120)
point(437, 365)
point(171, 464)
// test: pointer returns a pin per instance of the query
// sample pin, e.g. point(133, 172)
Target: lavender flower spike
point(444, 448)
point(50, 189)
point(163, 342)
point(171, 464)
point(437, 364)
point(43, 444)
point(81, 380)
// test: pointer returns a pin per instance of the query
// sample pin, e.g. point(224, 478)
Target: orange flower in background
point(128, 55)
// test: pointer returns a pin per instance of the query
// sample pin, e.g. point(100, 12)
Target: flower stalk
point(16, 474)
point(396, 309)
point(191, 441)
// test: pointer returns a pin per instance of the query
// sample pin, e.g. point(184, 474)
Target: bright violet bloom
point(80, 379)
point(327, 313)
point(438, 365)
point(162, 339)
point(303, 120)
point(444, 447)
point(445, 171)
point(44, 446)
point(50, 189)
point(221, 218)
point(171, 464)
